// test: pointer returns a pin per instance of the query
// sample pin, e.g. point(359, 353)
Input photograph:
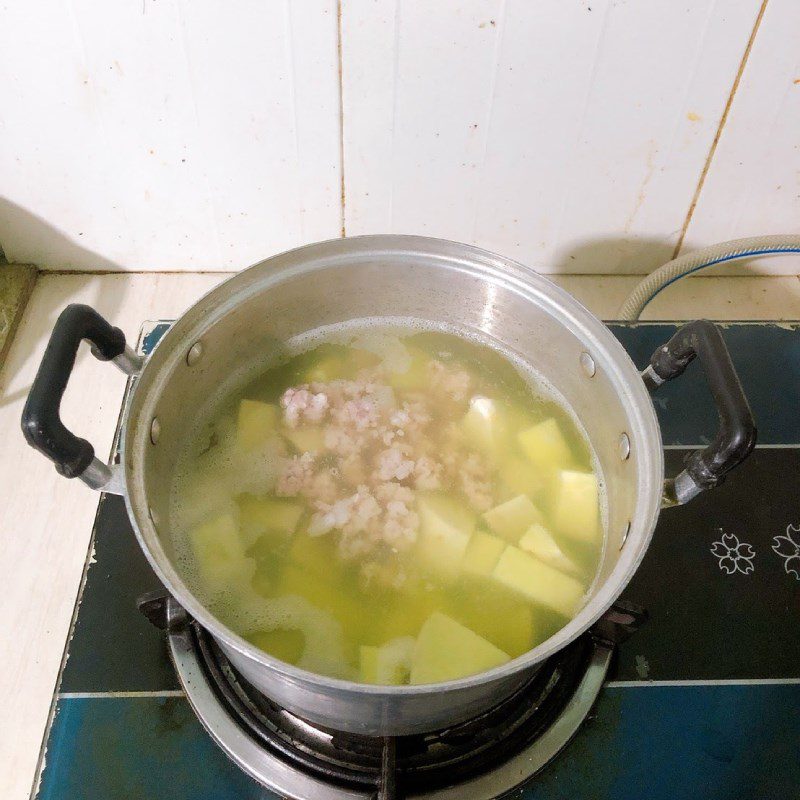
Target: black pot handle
point(41, 418)
point(736, 435)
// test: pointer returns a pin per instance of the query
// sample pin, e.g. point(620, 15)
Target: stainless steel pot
point(256, 311)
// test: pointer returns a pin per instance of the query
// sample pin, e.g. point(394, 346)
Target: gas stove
point(701, 701)
point(482, 758)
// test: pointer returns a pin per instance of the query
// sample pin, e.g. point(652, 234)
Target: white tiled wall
point(573, 135)
point(569, 135)
point(753, 181)
point(167, 134)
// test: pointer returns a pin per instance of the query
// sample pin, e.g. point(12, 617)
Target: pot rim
point(644, 431)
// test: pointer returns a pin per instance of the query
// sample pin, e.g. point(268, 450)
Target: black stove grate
point(392, 767)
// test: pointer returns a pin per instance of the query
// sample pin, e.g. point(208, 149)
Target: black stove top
point(702, 701)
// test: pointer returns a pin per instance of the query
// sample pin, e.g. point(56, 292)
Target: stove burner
point(480, 759)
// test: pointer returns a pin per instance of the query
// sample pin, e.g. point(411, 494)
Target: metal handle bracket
point(736, 435)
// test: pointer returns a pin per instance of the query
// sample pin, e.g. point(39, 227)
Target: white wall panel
point(569, 135)
point(753, 182)
point(199, 135)
point(167, 134)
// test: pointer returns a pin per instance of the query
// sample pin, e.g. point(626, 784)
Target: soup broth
point(390, 505)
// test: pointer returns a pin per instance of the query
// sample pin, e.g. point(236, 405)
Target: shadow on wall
point(47, 302)
point(52, 246)
point(616, 256)
point(621, 256)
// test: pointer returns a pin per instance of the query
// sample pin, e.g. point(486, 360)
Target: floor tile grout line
point(644, 684)
point(88, 560)
point(60, 273)
point(722, 121)
point(766, 446)
point(621, 684)
point(44, 272)
point(121, 694)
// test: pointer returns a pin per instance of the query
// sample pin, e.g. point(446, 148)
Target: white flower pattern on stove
point(788, 548)
point(733, 555)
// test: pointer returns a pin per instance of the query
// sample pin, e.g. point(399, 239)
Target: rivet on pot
point(155, 430)
point(587, 362)
point(195, 351)
point(624, 447)
point(625, 535)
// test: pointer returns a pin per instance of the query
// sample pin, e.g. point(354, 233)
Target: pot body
point(249, 319)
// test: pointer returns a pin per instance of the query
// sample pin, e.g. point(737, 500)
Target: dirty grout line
point(644, 684)
point(112, 695)
point(701, 445)
point(87, 563)
point(40, 761)
point(341, 112)
point(44, 272)
point(723, 119)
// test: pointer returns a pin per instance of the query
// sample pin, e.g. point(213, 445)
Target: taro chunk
point(512, 518)
point(539, 542)
point(539, 582)
point(520, 476)
point(485, 426)
point(445, 528)
point(576, 511)
point(274, 516)
point(545, 446)
point(482, 554)
point(220, 556)
point(446, 650)
point(255, 423)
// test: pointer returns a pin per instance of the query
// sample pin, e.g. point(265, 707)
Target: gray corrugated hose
point(673, 270)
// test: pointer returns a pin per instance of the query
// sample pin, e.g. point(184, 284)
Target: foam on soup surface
point(390, 506)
